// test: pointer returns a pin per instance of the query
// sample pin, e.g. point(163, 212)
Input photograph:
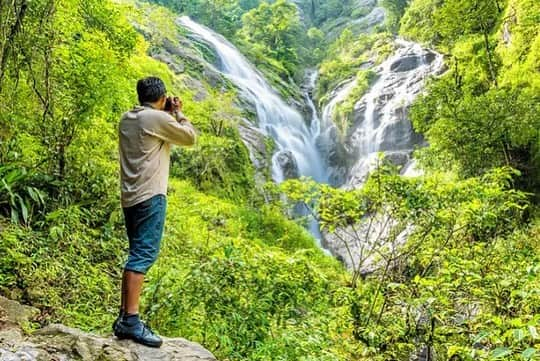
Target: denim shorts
point(144, 225)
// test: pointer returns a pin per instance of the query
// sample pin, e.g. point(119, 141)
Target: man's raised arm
point(177, 131)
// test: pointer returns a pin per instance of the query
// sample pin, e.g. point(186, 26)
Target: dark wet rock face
point(288, 164)
point(430, 56)
point(381, 116)
point(406, 63)
point(259, 154)
point(380, 119)
point(366, 17)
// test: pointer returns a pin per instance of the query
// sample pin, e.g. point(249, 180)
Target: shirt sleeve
point(172, 131)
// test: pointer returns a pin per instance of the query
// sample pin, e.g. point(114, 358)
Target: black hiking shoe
point(139, 333)
point(118, 319)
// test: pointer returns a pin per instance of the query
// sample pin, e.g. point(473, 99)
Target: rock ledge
point(60, 343)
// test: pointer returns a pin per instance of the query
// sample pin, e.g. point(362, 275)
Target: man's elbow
point(191, 139)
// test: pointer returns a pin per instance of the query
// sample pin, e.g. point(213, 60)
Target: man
point(145, 137)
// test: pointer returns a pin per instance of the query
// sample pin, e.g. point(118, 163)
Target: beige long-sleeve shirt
point(145, 138)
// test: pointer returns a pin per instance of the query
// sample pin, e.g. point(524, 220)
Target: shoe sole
point(149, 344)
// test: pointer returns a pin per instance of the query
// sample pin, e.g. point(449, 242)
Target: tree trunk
point(8, 45)
point(492, 73)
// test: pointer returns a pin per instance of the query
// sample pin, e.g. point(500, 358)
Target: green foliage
point(20, 199)
point(347, 55)
point(65, 267)
point(65, 80)
point(394, 12)
point(241, 298)
point(481, 114)
point(451, 280)
point(418, 22)
point(240, 281)
point(275, 231)
point(344, 111)
point(277, 32)
point(224, 16)
point(217, 165)
point(456, 18)
point(457, 124)
point(156, 22)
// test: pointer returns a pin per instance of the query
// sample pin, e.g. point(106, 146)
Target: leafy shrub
point(440, 286)
point(217, 165)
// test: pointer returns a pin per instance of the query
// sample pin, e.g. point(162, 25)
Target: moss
point(349, 54)
point(271, 147)
point(343, 115)
point(206, 52)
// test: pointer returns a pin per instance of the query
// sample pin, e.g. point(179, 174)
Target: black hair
point(150, 89)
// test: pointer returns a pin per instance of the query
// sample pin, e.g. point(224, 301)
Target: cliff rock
point(60, 343)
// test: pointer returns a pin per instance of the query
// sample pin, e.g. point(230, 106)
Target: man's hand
point(177, 105)
point(176, 110)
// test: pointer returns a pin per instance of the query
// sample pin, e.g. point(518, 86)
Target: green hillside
point(238, 272)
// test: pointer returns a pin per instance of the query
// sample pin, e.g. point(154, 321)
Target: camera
point(168, 104)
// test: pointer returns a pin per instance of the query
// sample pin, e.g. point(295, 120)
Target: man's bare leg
point(131, 291)
point(123, 294)
point(129, 325)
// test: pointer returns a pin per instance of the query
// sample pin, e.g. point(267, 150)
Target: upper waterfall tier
point(296, 151)
point(380, 118)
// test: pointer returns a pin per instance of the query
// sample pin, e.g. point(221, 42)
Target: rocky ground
point(61, 343)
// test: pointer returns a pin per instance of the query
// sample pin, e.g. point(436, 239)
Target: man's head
point(151, 90)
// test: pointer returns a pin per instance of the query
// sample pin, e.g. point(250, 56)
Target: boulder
point(177, 66)
point(14, 314)
point(287, 163)
point(256, 143)
point(60, 343)
point(406, 63)
point(359, 246)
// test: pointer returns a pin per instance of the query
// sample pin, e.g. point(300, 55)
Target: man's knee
point(145, 240)
point(140, 260)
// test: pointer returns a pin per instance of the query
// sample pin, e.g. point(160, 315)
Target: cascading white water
point(381, 116)
point(276, 118)
point(315, 126)
point(380, 123)
point(395, 89)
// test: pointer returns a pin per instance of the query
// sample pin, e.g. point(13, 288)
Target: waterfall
point(329, 139)
point(295, 141)
point(315, 126)
point(315, 148)
point(381, 122)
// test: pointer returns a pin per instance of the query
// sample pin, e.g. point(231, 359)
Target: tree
point(11, 21)
point(457, 18)
point(478, 131)
point(69, 59)
point(221, 15)
point(418, 22)
point(277, 28)
point(394, 11)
